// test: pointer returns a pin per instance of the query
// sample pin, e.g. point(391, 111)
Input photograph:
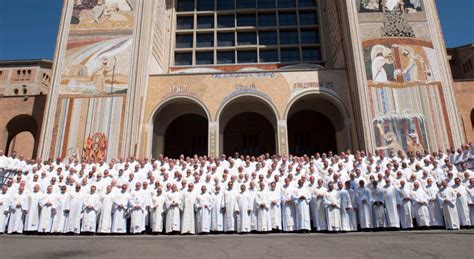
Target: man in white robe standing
point(76, 201)
point(262, 203)
point(363, 197)
point(288, 207)
point(107, 202)
point(203, 210)
point(332, 201)
point(470, 190)
point(18, 210)
point(405, 206)
point(187, 207)
point(319, 219)
point(32, 217)
point(243, 210)
point(391, 198)
point(420, 206)
point(173, 220)
point(48, 206)
point(275, 207)
point(447, 200)
point(436, 214)
point(91, 210)
point(137, 210)
point(62, 211)
point(228, 205)
point(379, 220)
point(4, 208)
point(217, 224)
point(120, 211)
point(158, 211)
point(352, 212)
point(345, 207)
point(462, 202)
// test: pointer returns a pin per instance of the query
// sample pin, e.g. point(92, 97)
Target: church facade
point(207, 77)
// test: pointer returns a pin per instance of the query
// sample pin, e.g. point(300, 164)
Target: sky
point(29, 27)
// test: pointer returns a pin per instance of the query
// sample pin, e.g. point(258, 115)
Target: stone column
point(282, 138)
point(213, 149)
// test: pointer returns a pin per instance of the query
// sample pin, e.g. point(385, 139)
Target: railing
point(5, 175)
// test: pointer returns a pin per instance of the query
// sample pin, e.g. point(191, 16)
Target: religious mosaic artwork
point(98, 54)
point(409, 6)
point(405, 94)
point(96, 147)
point(400, 132)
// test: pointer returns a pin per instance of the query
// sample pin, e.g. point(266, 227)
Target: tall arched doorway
point(247, 125)
point(22, 131)
point(310, 132)
point(315, 124)
point(180, 127)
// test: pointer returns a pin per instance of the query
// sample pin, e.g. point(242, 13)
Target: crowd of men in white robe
point(240, 194)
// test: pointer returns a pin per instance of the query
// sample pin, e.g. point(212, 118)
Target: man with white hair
point(48, 205)
point(19, 205)
point(420, 206)
point(32, 217)
point(447, 200)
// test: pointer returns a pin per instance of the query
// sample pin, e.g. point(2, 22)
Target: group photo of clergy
point(345, 192)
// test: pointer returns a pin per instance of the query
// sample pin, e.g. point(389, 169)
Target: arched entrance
point(247, 125)
point(310, 132)
point(180, 127)
point(316, 124)
point(22, 131)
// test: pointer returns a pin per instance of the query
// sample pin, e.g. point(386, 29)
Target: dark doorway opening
point(186, 135)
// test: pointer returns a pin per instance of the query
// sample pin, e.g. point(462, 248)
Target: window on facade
point(225, 5)
point(245, 4)
point(290, 55)
point(205, 22)
point(267, 56)
point(288, 37)
point(185, 22)
point(184, 41)
point(286, 3)
point(287, 18)
point(311, 54)
point(205, 40)
point(205, 5)
point(225, 57)
point(185, 5)
point(183, 59)
point(262, 4)
point(309, 37)
point(247, 56)
point(266, 19)
point(306, 3)
point(225, 39)
point(205, 58)
point(308, 18)
point(225, 21)
point(246, 20)
point(246, 38)
point(267, 38)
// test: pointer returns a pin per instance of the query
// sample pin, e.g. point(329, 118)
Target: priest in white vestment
point(203, 207)
point(217, 224)
point(363, 198)
point(4, 208)
point(462, 202)
point(345, 207)
point(187, 207)
point(244, 205)
point(18, 209)
point(158, 211)
point(120, 211)
point(288, 207)
point(405, 206)
point(48, 206)
point(107, 205)
point(228, 205)
point(262, 203)
point(332, 201)
point(320, 220)
point(420, 205)
point(32, 217)
point(91, 210)
point(173, 220)
point(275, 207)
point(62, 211)
point(76, 201)
point(447, 200)
point(137, 209)
point(390, 194)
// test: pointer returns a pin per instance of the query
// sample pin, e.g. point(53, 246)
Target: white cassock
point(288, 209)
point(332, 201)
point(137, 211)
point(275, 209)
point(462, 204)
point(91, 210)
point(470, 190)
point(353, 211)
point(363, 198)
point(203, 212)
point(48, 211)
point(61, 217)
point(302, 199)
point(75, 213)
point(406, 207)
point(436, 214)
point(188, 201)
point(378, 210)
point(32, 217)
point(119, 219)
point(217, 223)
point(158, 213)
point(447, 201)
point(4, 211)
point(262, 203)
point(420, 206)
point(105, 219)
point(228, 202)
point(320, 209)
point(390, 194)
point(18, 204)
point(346, 208)
point(243, 207)
point(173, 221)
point(253, 213)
